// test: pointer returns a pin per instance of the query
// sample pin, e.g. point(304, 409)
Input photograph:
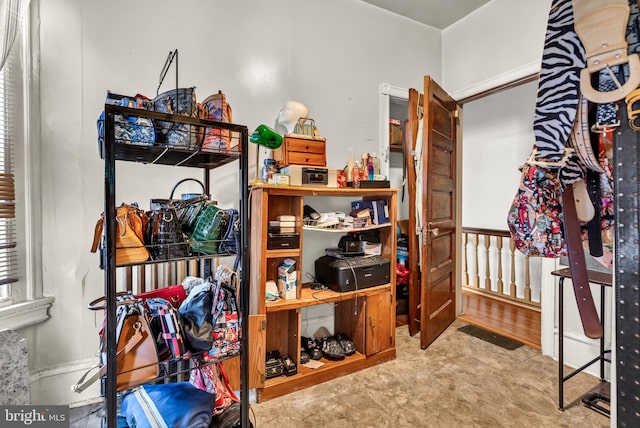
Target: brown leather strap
point(578, 266)
point(97, 234)
point(93, 305)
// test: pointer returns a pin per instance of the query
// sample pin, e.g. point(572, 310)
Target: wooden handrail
point(492, 232)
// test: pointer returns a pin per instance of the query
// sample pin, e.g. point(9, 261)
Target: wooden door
point(438, 212)
point(378, 323)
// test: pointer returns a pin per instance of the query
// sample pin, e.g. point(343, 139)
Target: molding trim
point(548, 304)
point(46, 384)
point(70, 367)
point(394, 91)
point(25, 314)
point(32, 133)
point(498, 80)
point(578, 350)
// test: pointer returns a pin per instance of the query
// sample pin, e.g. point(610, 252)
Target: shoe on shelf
point(332, 349)
point(347, 345)
point(310, 213)
point(311, 347)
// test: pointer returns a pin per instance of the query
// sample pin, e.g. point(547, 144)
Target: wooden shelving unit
point(366, 316)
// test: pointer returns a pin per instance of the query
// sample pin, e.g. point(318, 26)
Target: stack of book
point(283, 224)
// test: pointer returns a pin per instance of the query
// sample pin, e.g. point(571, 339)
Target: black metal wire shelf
point(190, 154)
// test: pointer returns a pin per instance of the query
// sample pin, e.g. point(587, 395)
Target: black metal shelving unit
point(119, 150)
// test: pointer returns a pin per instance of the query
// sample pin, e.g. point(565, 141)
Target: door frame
point(386, 92)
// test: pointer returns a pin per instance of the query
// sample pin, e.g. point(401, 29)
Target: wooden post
point(512, 286)
point(499, 245)
point(475, 249)
point(464, 260)
point(487, 273)
point(527, 281)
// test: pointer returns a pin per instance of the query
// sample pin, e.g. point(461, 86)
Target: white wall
point(331, 55)
point(498, 43)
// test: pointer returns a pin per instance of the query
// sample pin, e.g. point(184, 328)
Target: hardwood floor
point(506, 319)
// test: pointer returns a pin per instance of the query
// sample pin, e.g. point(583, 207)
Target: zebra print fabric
point(559, 85)
point(558, 94)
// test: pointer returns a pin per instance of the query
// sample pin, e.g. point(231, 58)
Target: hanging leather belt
point(578, 266)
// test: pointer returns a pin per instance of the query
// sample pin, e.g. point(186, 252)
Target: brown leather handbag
point(136, 350)
point(131, 222)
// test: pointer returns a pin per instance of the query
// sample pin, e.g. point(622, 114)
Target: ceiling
point(436, 13)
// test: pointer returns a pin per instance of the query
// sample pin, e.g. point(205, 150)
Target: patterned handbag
point(535, 218)
point(165, 322)
point(213, 379)
point(181, 101)
point(128, 129)
point(217, 139)
point(225, 319)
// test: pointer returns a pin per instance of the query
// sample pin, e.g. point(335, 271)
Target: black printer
point(338, 273)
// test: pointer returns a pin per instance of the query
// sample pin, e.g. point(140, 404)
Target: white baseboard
point(579, 350)
point(52, 386)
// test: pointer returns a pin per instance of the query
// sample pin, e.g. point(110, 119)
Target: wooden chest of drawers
point(301, 150)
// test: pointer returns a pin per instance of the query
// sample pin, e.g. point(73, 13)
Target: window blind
point(9, 81)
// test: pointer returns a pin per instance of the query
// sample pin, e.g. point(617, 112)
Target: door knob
point(435, 231)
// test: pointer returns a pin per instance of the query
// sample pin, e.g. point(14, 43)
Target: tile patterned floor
point(459, 381)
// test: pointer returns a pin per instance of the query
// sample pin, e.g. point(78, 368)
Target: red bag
point(175, 294)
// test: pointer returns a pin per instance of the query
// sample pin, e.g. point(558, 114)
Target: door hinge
point(456, 113)
point(262, 378)
point(264, 325)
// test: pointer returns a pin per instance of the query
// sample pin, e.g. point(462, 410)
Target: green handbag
point(210, 223)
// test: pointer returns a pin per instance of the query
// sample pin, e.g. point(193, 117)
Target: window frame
point(28, 305)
